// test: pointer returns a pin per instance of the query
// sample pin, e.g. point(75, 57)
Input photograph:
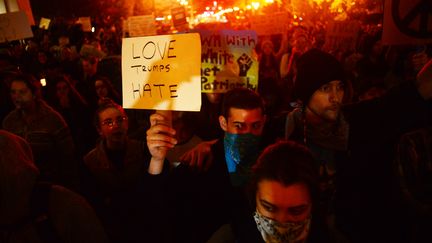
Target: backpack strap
point(39, 202)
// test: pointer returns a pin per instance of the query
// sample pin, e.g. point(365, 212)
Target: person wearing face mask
point(283, 196)
point(203, 201)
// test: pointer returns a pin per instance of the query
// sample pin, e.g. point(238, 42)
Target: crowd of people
point(334, 146)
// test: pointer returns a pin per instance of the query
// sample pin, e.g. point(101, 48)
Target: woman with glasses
point(119, 182)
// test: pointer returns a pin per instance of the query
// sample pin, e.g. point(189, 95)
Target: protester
point(412, 169)
point(39, 212)
point(66, 100)
point(354, 142)
point(123, 180)
point(284, 198)
point(44, 129)
point(105, 90)
point(204, 201)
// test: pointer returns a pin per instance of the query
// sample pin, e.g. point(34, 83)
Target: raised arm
point(160, 138)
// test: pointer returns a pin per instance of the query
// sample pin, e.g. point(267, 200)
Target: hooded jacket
point(73, 220)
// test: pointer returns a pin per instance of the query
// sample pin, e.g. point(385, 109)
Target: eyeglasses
point(119, 120)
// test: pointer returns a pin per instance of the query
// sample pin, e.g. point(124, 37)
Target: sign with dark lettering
point(342, 35)
point(228, 60)
point(162, 72)
point(407, 22)
point(14, 26)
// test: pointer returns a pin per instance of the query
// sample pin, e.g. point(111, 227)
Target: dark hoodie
point(72, 218)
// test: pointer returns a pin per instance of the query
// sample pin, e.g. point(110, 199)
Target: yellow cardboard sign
point(44, 23)
point(228, 60)
point(162, 72)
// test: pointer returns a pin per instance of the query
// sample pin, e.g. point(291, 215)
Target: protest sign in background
point(342, 35)
point(141, 25)
point(162, 72)
point(14, 26)
point(85, 23)
point(407, 22)
point(228, 60)
point(44, 23)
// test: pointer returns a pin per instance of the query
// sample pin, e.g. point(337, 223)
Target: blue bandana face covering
point(241, 151)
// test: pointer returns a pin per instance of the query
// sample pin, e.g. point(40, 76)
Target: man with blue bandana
point(205, 200)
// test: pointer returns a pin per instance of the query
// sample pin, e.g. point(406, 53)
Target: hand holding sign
point(160, 138)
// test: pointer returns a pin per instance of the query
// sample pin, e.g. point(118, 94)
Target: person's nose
point(116, 124)
point(336, 95)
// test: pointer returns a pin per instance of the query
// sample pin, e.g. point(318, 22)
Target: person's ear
point(223, 123)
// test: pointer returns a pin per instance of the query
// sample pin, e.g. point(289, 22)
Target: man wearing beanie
point(358, 141)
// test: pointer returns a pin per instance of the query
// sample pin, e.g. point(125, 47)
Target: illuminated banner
point(14, 26)
point(228, 60)
point(342, 35)
point(162, 72)
point(407, 22)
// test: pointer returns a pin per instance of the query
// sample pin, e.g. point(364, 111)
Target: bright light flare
point(255, 5)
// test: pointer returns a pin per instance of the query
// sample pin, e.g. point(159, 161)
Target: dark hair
point(112, 92)
point(107, 103)
point(241, 98)
point(29, 80)
point(286, 162)
point(314, 69)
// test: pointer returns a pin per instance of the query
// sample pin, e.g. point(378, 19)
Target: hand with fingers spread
point(160, 138)
point(200, 157)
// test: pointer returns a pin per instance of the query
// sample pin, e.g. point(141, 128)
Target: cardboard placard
point(162, 72)
point(342, 35)
point(14, 26)
point(86, 23)
point(141, 25)
point(44, 23)
point(228, 60)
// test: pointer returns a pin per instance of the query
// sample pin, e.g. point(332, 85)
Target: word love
point(151, 49)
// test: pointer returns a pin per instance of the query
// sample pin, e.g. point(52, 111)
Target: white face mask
point(275, 232)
